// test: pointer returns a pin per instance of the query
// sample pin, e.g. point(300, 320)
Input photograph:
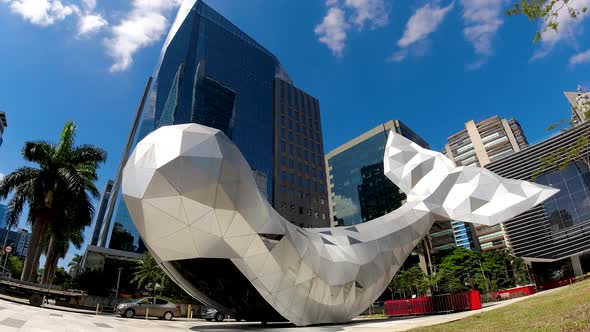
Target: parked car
point(152, 306)
point(210, 314)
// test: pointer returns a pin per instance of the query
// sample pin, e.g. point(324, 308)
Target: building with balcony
point(480, 144)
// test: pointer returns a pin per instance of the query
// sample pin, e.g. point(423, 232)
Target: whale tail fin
point(470, 193)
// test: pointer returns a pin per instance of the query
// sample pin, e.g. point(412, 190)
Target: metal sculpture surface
point(194, 200)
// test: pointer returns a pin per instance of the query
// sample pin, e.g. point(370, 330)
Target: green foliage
point(58, 192)
point(564, 156)
point(148, 273)
point(461, 270)
point(62, 278)
point(74, 264)
point(547, 11)
point(14, 265)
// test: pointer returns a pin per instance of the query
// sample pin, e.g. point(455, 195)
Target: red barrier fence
point(557, 283)
point(434, 304)
point(515, 292)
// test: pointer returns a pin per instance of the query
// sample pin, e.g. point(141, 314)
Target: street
point(22, 317)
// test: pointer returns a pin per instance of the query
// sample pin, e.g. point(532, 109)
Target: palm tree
point(58, 190)
point(75, 264)
point(147, 272)
point(59, 240)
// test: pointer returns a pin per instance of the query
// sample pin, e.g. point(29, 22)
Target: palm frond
point(39, 152)
point(16, 178)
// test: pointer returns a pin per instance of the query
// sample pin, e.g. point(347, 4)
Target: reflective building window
point(571, 206)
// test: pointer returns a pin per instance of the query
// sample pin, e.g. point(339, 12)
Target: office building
point(3, 125)
point(300, 194)
point(100, 212)
point(212, 73)
point(22, 243)
point(360, 191)
point(579, 104)
point(560, 227)
point(479, 144)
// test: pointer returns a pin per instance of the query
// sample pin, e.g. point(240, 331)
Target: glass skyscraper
point(212, 73)
point(359, 190)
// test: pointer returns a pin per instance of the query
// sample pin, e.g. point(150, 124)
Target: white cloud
point(42, 12)
point(1, 176)
point(482, 19)
point(424, 21)
point(144, 25)
point(398, 56)
point(90, 23)
point(579, 58)
point(332, 30)
point(371, 11)
point(567, 31)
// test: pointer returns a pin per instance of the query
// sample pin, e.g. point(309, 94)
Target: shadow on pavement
point(283, 326)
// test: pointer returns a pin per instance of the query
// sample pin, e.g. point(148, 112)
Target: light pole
point(118, 280)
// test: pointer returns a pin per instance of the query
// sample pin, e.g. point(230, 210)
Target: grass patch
point(567, 310)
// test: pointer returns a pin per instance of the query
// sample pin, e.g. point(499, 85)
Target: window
point(283, 177)
point(283, 189)
point(301, 210)
point(299, 181)
point(283, 120)
point(282, 146)
point(160, 301)
point(290, 124)
point(283, 161)
point(292, 178)
point(568, 207)
point(291, 149)
point(283, 133)
point(291, 163)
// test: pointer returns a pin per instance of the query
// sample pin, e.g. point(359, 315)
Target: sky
point(433, 64)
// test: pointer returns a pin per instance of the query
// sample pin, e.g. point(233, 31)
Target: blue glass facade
point(213, 74)
point(359, 190)
point(571, 206)
point(464, 235)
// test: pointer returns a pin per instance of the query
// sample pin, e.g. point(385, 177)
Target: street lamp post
point(118, 280)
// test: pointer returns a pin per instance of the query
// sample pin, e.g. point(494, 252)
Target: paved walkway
point(21, 317)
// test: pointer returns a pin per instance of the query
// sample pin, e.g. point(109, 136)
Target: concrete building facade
point(480, 144)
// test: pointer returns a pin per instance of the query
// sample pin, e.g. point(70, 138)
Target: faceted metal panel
point(192, 195)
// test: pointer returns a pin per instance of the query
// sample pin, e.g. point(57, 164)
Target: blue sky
point(432, 64)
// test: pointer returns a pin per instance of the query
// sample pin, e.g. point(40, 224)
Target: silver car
point(150, 306)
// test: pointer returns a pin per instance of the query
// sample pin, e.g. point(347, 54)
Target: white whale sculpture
point(193, 198)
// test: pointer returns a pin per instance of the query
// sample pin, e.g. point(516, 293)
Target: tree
point(14, 265)
point(549, 12)
point(566, 155)
point(59, 189)
point(75, 264)
point(148, 273)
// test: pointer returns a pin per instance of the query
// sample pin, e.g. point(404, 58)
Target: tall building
point(3, 125)
point(212, 73)
point(559, 228)
point(479, 144)
point(2, 216)
point(579, 104)
point(360, 191)
point(22, 243)
point(100, 212)
point(300, 194)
